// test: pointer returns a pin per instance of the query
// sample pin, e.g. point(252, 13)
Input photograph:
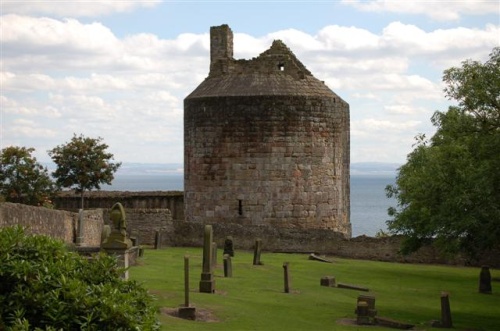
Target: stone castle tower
point(265, 143)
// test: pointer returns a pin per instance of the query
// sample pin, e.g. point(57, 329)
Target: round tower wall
point(268, 160)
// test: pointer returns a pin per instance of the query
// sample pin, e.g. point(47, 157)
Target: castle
point(265, 143)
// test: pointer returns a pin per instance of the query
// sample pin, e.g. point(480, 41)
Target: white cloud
point(405, 109)
point(75, 8)
point(451, 10)
point(130, 90)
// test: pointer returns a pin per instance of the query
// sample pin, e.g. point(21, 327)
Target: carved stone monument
point(118, 243)
point(207, 282)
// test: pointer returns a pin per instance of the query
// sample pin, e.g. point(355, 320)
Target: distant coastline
point(130, 168)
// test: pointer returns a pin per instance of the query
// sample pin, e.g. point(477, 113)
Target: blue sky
point(121, 69)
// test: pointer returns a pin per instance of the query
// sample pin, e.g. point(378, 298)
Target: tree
point(83, 164)
point(449, 189)
point(23, 179)
point(44, 286)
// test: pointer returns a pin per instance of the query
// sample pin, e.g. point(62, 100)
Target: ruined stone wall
point(265, 160)
point(171, 200)
point(54, 223)
point(318, 241)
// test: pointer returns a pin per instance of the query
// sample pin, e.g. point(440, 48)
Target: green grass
point(254, 298)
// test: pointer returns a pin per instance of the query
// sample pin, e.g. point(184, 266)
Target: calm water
point(368, 201)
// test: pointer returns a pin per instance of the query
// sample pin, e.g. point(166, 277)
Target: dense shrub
point(44, 286)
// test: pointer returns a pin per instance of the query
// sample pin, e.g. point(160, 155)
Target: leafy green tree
point(44, 286)
point(83, 164)
point(449, 189)
point(23, 179)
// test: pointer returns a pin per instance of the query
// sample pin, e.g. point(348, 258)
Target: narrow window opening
point(240, 207)
point(281, 66)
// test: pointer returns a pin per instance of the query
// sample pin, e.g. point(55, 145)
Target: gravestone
point(353, 287)
point(445, 311)
point(118, 243)
point(365, 310)
point(286, 277)
point(228, 266)
point(256, 252)
point(485, 280)
point(362, 317)
point(328, 281)
point(187, 312)
point(207, 282)
point(157, 239)
point(228, 246)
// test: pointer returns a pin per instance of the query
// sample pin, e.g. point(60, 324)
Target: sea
point(369, 203)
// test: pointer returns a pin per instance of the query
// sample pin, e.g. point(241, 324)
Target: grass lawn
point(254, 298)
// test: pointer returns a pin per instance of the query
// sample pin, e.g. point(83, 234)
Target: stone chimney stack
point(221, 49)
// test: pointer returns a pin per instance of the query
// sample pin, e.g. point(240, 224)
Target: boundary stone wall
point(145, 222)
point(172, 200)
point(57, 224)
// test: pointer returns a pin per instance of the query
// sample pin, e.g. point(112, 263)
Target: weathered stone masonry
point(265, 143)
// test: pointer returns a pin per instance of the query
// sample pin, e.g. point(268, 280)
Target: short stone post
point(157, 239)
point(207, 282)
point(365, 310)
point(79, 238)
point(228, 246)
point(286, 277)
point(228, 266)
point(214, 255)
point(328, 281)
point(362, 317)
point(187, 311)
point(256, 252)
point(485, 280)
point(445, 311)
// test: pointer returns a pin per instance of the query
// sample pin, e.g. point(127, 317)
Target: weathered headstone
point(207, 282)
point(485, 280)
point(228, 266)
point(328, 281)
point(446, 321)
point(286, 277)
point(187, 312)
point(315, 257)
point(157, 239)
point(118, 243)
point(353, 287)
point(365, 310)
point(362, 317)
point(214, 255)
point(228, 246)
point(256, 252)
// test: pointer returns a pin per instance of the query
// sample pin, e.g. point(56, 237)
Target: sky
point(120, 70)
